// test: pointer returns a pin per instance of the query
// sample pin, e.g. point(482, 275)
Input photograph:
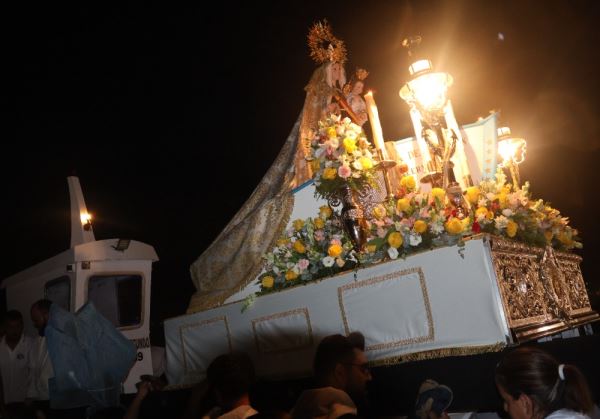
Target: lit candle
point(375, 124)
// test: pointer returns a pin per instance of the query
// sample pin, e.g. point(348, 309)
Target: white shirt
point(40, 370)
point(566, 414)
point(14, 368)
point(241, 412)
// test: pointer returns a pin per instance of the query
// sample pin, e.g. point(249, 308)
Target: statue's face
point(358, 87)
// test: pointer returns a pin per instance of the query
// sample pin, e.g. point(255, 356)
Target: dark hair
point(232, 375)
point(335, 349)
point(535, 373)
point(43, 305)
point(13, 316)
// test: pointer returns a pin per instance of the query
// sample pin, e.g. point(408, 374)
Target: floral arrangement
point(418, 220)
point(414, 221)
point(340, 155)
point(309, 249)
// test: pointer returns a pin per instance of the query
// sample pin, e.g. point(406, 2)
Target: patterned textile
point(234, 258)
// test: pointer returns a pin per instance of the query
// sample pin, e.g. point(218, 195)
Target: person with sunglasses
point(342, 373)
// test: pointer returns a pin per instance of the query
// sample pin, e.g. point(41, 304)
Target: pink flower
point(319, 235)
point(303, 264)
point(336, 241)
point(381, 232)
point(344, 172)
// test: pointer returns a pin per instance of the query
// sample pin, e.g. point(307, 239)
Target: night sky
point(170, 116)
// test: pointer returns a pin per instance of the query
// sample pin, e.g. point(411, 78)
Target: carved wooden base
point(542, 291)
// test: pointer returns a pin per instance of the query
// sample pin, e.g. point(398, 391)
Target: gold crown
point(324, 46)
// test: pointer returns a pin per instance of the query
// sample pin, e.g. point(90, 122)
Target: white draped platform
point(438, 300)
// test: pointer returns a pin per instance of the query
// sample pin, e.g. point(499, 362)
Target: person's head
point(357, 87)
point(13, 324)
point(533, 384)
point(231, 376)
point(40, 313)
point(432, 401)
point(341, 362)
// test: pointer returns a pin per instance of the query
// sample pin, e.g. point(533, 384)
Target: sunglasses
point(364, 368)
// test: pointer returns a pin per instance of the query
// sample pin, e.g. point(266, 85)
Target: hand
point(144, 388)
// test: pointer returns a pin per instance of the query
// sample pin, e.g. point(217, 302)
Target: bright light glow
point(512, 150)
point(86, 218)
point(430, 90)
point(419, 66)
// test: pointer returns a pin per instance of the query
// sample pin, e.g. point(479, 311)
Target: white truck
point(114, 274)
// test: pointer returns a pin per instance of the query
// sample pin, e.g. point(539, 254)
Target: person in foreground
point(342, 373)
point(534, 385)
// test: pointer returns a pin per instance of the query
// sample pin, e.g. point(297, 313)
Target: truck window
point(59, 291)
point(118, 298)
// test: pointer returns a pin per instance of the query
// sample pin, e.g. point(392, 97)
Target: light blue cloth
point(90, 357)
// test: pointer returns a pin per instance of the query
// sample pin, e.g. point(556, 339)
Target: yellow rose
point(403, 204)
point(408, 182)
point(267, 282)
point(298, 224)
point(349, 145)
point(371, 248)
point(319, 222)
point(481, 212)
point(379, 211)
point(395, 239)
point(466, 222)
point(325, 211)
point(282, 242)
point(473, 194)
point(454, 226)
point(334, 250)
point(366, 163)
point(329, 173)
point(503, 200)
point(548, 235)
point(511, 228)
point(299, 246)
point(291, 275)
point(490, 215)
point(420, 226)
point(438, 193)
point(331, 132)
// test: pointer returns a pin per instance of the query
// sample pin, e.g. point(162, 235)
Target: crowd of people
point(531, 382)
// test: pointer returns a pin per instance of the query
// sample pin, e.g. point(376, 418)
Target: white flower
point(501, 222)
point(334, 143)
point(351, 134)
point(328, 261)
point(356, 128)
point(392, 252)
point(437, 228)
point(490, 196)
point(482, 202)
point(340, 262)
point(507, 212)
point(357, 165)
point(415, 239)
point(335, 118)
point(346, 121)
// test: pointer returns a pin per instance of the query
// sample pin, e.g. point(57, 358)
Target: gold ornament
point(324, 46)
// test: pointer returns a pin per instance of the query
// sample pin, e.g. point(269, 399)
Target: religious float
point(422, 244)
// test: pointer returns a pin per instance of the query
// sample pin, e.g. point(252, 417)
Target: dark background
point(171, 115)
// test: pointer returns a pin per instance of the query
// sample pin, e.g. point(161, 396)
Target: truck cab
point(114, 274)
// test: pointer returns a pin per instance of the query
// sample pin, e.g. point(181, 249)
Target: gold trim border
point(438, 353)
point(280, 315)
point(393, 275)
point(202, 323)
